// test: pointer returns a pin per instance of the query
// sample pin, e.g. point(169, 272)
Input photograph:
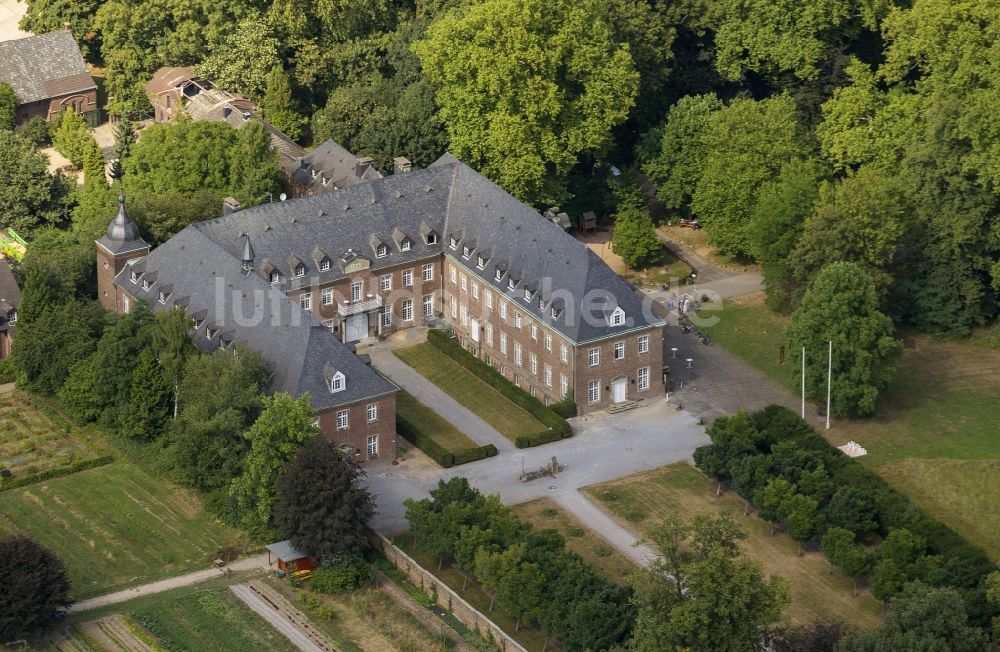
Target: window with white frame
point(594, 356)
point(475, 290)
point(480, 262)
point(405, 245)
point(428, 271)
point(548, 375)
point(463, 315)
point(163, 296)
point(503, 310)
point(534, 331)
point(326, 296)
point(275, 277)
point(125, 303)
point(548, 341)
point(489, 334)
point(594, 391)
point(489, 299)
point(432, 238)
point(407, 278)
point(533, 391)
point(385, 315)
point(324, 265)
point(372, 412)
point(381, 251)
point(617, 317)
point(453, 274)
point(385, 282)
point(511, 282)
point(429, 305)
point(133, 276)
point(465, 282)
point(454, 308)
point(145, 284)
point(372, 446)
point(563, 385)
point(452, 243)
point(563, 353)
point(644, 344)
point(337, 382)
point(517, 353)
point(527, 294)
point(465, 252)
point(407, 309)
point(342, 420)
point(305, 301)
point(499, 274)
point(533, 360)
point(503, 343)
point(357, 287)
point(643, 378)
point(300, 270)
point(517, 319)
point(619, 350)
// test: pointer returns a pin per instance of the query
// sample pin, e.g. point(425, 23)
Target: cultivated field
point(441, 431)
point(34, 437)
point(115, 526)
point(545, 513)
point(640, 500)
point(934, 434)
point(459, 383)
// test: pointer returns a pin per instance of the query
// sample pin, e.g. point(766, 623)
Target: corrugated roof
point(44, 66)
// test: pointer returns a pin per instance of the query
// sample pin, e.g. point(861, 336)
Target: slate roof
point(207, 280)
point(122, 234)
point(44, 66)
point(454, 200)
point(329, 167)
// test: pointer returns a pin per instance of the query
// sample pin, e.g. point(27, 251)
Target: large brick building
point(48, 75)
point(302, 280)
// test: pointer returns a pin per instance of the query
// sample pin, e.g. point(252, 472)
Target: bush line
point(57, 472)
point(446, 458)
point(558, 427)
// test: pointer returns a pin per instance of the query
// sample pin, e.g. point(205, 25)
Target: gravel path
point(258, 561)
point(277, 619)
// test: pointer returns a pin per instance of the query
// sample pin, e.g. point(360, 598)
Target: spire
point(247, 253)
point(122, 228)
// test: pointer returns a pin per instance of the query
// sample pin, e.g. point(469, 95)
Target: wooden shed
point(286, 555)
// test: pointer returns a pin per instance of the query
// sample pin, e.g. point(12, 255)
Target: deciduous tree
point(8, 106)
point(30, 197)
point(36, 589)
point(635, 238)
point(242, 60)
point(146, 413)
point(71, 137)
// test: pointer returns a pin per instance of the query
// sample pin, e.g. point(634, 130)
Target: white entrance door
point(618, 390)
point(474, 329)
point(357, 327)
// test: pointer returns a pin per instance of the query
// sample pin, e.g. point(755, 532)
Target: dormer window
point(527, 294)
point(13, 317)
point(452, 243)
point(480, 262)
point(499, 274)
point(210, 333)
point(133, 276)
point(300, 270)
point(381, 251)
point(405, 245)
point(432, 238)
point(145, 284)
point(617, 317)
point(541, 304)
point(198, 323)
point(466, 252)
point(324, 265)
point(163, 296)
point(511, 283)
point(337, 383)
point(275, 277)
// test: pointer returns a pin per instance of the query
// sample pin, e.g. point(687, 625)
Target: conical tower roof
point(122, 234)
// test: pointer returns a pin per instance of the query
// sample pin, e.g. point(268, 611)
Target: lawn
point(474, 594)
point(459, 383)
point(638, 501)
point(35, 437)
point(208, 618)
point(934, 432)
point(697, 241)
point(670, 270)
point(593, 548)
point(116, 526)
point(433, 425)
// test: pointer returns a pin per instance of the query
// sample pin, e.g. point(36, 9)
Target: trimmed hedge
point(558, 427)
point(435, 451)
point(56, 472)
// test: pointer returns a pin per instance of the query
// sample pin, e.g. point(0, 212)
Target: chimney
point(230, 205)
point(361, 165)
point(401, 164)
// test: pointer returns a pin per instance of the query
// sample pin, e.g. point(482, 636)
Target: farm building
point(285, 554)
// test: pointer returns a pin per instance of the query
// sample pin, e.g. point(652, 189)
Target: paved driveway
point(11, 12)
point(602, 448)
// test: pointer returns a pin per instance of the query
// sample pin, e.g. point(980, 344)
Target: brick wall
point(448, 599)
point(359, 429)
point(609, 369)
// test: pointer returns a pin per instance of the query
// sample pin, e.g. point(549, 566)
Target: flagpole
point(829, 384)
point(803, 382)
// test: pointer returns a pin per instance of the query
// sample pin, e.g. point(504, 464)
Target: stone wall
point(448, 599)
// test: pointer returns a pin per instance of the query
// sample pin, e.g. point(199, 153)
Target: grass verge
point(639, 501)
point(544, 513)
point(456, 381)
point(115, 526)
point(432, 424)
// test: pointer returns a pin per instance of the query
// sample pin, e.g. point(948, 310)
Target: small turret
point(120, 244)
point(122, 228)
point(247, 258)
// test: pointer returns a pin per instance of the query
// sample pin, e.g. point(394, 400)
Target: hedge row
point(435, 451)
point(557, 426)
point(55, 472)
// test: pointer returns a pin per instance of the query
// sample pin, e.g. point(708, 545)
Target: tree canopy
point(36, 587)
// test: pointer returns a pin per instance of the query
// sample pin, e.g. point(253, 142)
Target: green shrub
point(338, 575)
point(55, 472)
point(37, 129)
point(558, 428)
point(435, 451)
point(8, 372)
